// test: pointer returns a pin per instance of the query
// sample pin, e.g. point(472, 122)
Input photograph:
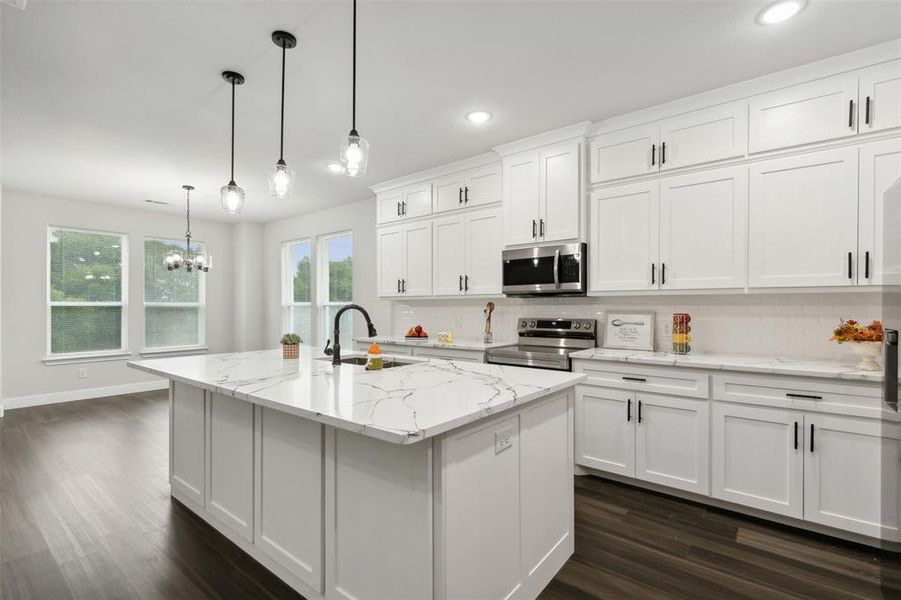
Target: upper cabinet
point(880, 97)
point(624, 153)
point(521, 198)
point(880, 167)
point(475, 187)
point(407, 202)
point(467, 254)
point(404, 259)
point(812, 112)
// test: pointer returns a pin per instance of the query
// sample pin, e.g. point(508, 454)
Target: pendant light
point(201, 262)
point(354, 153)
point(232, 195)
point(281, 178)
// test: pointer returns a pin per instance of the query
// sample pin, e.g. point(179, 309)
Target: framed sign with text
point(629, 331)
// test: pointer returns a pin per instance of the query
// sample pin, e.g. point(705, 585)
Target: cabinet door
point(605, 429)
point(561, 190)
point(880, 88)
point(671, 442)
point(390, 260)
point(449, 253)
point(851, 474)
point(229, 467)
point(624, 237)
point(389, 205)
point(417, 260)
point(704, 136)
point(449, 192)
point(186, 444)
point(758, 458)
point(483, 185)
point(417, 200)
point(803, 220)
point(703, 225)
point(624, 153)
point(521, 202)
point(803, 114)
point(880, 167)
point(483, 253)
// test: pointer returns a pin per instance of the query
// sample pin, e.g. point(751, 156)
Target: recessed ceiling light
point(780, 11)
point(478, 117)
point(336, 167)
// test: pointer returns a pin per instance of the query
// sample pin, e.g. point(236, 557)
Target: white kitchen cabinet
point(467, 254)
point(560, 196)
point(880, 167)
point(186, 441)
point(851, 474)
point(605, 429)
point(470, 188)
point(521, 198)
point(229, 463)
point(449, 192)
point(406, 202)
point(405, 259)
point(703, 230)
point(880, 97)
point(389, 205)
point(803, 220)
point(802, 114)
point(624, 234)
point(624, 153)
point(705, 135)
point(757, 457)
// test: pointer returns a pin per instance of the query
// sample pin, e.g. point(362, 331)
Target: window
point(86, 292)
point(174, 301)
point(335, 285)
point(298, 283)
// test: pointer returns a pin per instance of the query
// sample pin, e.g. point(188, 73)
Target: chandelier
point(174, 260)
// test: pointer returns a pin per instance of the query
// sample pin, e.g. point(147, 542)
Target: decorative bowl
point(868, 354)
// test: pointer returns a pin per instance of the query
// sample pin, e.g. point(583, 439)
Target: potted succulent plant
point(864, 340)
point(291, 345)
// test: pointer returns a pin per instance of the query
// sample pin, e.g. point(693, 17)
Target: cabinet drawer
point(801, 393)
point(663, 380)
point(450, 354)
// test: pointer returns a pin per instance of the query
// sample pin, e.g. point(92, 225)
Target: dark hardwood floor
point(86, 514)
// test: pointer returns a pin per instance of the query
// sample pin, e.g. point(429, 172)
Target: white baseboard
point(84, 394)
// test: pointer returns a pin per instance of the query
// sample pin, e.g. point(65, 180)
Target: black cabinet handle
point(461, 283)
point(541, 227)
point(811, 437)
point(662, 273)
point(466, 195)
point(850, 274)
point(867, 110)
point(653, 154)
point(534, 225)
point(459, 195)
point(663, 153)
point(851, 113)
point(398, 209)
point(403, 286)
point(653, 273)
point(796, 435)
point(639, 411)
point(866, 264)
point(629, 410)
point(398, 286)
point(403, 206)
point(639, 379)
point(466, 283)
point(805, 396)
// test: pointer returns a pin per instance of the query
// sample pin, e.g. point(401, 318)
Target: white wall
point(358, 217)
point(25, 219)
point(774, 324)
point(247, 258)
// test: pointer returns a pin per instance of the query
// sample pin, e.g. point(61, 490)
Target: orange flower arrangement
point(852, 331)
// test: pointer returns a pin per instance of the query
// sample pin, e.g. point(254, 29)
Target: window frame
point(50, 356)
point(288, 302)
point(322, 283)
point(201, 304)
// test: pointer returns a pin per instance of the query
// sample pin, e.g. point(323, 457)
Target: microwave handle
point(557, 269)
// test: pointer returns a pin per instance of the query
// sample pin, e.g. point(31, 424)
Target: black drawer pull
point(807, 396)
point(466, 195)
point(639, 411)
point(866, 264)
point(663, 153)
point(629, 410)
point(867, 120)
point(461, 283)
point(459, 195)
point(639, 379)
point(653, 154)
point(850, 264)
point(662, 273)
point(796, 435)
point(653, 273)
point(851, 113)
point(811, 437)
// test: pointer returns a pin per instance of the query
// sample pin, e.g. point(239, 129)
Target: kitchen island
point(430, 479)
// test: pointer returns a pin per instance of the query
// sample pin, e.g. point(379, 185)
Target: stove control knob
point(532, 323)
point(577, 325)
point(586, 325)
point(524, 324)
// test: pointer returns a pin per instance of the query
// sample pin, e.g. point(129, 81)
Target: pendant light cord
point(188, 219)
point(353, 116)
point(233, 131)
point(281, 143)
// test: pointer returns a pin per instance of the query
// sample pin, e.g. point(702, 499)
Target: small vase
point(290, 350)
point(868, 354)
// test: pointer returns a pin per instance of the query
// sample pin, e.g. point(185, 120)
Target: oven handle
point(557, 269)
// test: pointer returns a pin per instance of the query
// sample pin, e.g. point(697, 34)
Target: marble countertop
point(402, 405)
point(735, 362)
point(432, 342)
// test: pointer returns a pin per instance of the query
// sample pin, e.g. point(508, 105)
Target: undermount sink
point(387, 363)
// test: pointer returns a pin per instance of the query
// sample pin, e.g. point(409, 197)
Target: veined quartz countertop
point(432, 342)
point(402, 405)
point(735, 362)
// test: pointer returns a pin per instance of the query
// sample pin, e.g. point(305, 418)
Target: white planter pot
point(868, 354)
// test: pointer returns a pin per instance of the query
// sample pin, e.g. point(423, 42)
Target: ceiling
point(115, 102)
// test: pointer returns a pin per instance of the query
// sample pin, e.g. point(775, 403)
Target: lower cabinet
point(229, 471)
point(186, 440)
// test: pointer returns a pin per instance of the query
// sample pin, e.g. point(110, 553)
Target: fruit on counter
point(416, 331)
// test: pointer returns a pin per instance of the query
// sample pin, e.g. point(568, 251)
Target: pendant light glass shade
point(354, 155)
point(281, 180)
point(232, 198)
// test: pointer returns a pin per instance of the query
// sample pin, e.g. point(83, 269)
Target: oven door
point(545, 270)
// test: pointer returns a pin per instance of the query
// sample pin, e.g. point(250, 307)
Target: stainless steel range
point(546, 343)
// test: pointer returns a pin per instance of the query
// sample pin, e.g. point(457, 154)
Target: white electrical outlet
point(503, 440)
point(82, 373)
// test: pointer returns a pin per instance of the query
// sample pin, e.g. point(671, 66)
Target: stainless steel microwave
point(544, 270)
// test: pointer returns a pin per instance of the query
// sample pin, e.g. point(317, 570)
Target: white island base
point(482, 511)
